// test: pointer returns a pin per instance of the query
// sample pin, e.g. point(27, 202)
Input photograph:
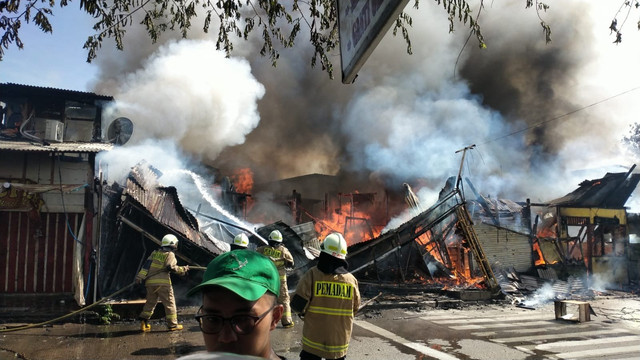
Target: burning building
point(475, 241)
point(136, 216)
point(588, 227)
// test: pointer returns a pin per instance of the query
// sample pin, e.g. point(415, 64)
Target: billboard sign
point(362, 25)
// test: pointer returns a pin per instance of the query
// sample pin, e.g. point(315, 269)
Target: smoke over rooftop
point(405, 116)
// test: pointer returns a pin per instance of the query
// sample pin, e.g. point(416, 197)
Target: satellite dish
point(120, 131)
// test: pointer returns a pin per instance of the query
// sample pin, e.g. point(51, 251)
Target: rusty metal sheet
point(63, 147)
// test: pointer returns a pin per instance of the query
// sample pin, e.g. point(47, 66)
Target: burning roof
point(136, 217)
point(162, 203)
point(611, 191)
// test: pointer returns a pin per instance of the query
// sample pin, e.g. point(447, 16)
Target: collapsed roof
point(136, 217)
point(611, 191)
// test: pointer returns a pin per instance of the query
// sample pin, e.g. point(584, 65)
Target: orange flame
point(540, 258)
point(458, 262)
point(548, 232)
point(354, 225)
point(243, 180)
point(430, 246)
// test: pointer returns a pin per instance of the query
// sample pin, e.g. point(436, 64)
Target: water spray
point(200, 185)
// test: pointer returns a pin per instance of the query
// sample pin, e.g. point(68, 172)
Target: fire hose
point(89, 306)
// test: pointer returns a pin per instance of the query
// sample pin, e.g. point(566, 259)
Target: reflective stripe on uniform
point(324, 347)
point(330, 311)
point(158, 282)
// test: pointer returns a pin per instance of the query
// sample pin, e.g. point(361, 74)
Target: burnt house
point(49, 139)
point(589, 227)
point(137, 214)
point(457, 241)
point(479, 241)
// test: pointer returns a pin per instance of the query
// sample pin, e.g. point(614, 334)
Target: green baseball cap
point(245, 272)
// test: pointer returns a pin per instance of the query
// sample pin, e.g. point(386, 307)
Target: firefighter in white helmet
point(157, 279)
point(241, 241)
point(283, 259)
point(327, 298)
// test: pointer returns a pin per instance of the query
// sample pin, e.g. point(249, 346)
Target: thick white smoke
point(187, 102)
point(188, 92)
point(406, 115)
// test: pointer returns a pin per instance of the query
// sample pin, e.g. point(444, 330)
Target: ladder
point(474, 243)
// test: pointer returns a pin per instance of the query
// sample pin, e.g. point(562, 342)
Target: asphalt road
point(385, 330)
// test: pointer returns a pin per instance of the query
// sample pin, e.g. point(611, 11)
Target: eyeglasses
point(241, 324)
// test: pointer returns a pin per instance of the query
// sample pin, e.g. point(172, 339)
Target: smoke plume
point(404, 118)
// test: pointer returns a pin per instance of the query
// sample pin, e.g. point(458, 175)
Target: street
point(470, 331)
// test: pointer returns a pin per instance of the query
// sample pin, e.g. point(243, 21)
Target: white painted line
point(486, 320)
point(559, 336)
point(500, 325)
point(446, 316)
point(525, 350)
point(552, 328)
point(582, 343)
point(468, 327)
point(485, 333)
point(413, 345)
point(635, 349)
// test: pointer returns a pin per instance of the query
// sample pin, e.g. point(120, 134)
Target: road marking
point(582, 343)
point(500, 325)
point(484, 333)
point(413, 345)
point(459, 320)
point(552, 328)
point(635, 349)
point(558, 336)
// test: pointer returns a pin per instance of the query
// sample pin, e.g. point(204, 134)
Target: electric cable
point(543, 122)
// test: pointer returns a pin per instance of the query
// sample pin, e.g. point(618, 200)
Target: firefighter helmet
point(335, 245)
point(241, 240)
point(275, 236)
point(170, 240)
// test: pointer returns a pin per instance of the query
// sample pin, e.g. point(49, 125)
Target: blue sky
point(52, 60)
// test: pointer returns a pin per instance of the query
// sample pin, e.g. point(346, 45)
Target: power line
point(561, 116)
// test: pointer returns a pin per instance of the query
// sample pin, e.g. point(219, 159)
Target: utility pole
point(464, 153)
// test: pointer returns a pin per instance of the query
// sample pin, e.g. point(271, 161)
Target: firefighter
point(327, 299)
point(156, 276)
point(283, 260)
point(241, 241)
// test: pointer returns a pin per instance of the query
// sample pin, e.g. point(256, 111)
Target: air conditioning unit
point(53, 130)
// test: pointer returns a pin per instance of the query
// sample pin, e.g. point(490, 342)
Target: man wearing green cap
point(239, 308)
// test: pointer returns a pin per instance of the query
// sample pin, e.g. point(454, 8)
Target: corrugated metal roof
point(66, 147)
point(162, 202)
point(17, 90)
point(502, 246)
point(611, 191)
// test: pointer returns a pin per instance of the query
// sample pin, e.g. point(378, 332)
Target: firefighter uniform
point(283, 259)
point(332, 301)
point(159, 265)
